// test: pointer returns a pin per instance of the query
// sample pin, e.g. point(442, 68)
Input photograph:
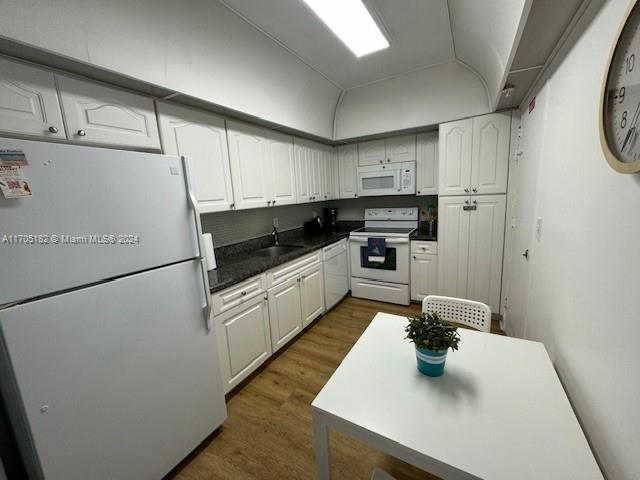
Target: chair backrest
point(458, 310)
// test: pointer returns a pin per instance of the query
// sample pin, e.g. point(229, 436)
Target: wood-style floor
point(268, 432)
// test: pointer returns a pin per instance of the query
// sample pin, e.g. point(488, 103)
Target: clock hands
point(632, 129)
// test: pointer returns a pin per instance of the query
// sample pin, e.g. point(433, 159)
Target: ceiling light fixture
point(352, 24)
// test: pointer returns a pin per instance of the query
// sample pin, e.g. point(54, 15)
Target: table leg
point(321, 446)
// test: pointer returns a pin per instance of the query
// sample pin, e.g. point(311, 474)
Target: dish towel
point(376, 249)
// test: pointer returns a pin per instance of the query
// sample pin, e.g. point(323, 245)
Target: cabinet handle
point(53, 129)
point(466, 202)
point(355, 194)
point(380, 161)
point(414, 257)
point(243, 293)
point(325, 196)
point(298, 280)
point(384, 166)
point(81, 133)
point(475, 202)
point(418, 191)
point(474, 190)
point(232, 206)
point(268, 202)
point(266, 296)
point(388, 160)
point(273, 202)
point(466, 190)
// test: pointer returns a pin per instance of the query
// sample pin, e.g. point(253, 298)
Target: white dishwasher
point(336, 279)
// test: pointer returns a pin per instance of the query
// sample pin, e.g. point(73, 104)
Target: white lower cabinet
point(471, 240)
point(424, 270)
point(244, 340)
point(312, 293)
point(285, 312)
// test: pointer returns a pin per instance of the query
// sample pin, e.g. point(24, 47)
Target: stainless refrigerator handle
point(203, 264)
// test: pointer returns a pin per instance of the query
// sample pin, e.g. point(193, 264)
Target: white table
point(498, 412)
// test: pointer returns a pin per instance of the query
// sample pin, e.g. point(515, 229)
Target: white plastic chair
point(458, 310)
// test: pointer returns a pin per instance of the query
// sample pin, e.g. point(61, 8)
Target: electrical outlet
point(275, 222)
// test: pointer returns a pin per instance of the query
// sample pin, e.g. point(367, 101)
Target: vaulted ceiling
point(418, 31)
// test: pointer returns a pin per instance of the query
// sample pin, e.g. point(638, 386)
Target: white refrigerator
point(108, 363)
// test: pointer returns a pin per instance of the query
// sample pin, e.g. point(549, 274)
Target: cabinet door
point(282, 168)
point(427, 164)
point(490, 158)
point(348, 170)
point(244, 340)
point(29, 101)
point(250, 171)
point(312, 294)
point(301, 155)
point(202, 137)
point(316, 180)
point(328, 174)
point(453, 246)
point(400, 149)
point(285, 312)
point(371, 153)
point(454, 145)
point(486, 240)
point(424, 276)
point(104, 115)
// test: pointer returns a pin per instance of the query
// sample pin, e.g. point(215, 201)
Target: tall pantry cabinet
point(474, 159)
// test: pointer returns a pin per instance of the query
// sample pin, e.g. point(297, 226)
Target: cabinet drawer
point(233, 296)
point(284, 272)
point(424, 247)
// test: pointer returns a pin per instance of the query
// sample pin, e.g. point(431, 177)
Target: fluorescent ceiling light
point(352, 23)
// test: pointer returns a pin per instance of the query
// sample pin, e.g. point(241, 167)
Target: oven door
point(379, 180)
point(395, 267)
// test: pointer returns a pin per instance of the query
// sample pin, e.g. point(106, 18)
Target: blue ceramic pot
point(431, 362)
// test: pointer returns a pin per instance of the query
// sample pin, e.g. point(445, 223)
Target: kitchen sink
point(276, 250)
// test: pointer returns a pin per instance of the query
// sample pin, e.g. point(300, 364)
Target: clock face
point(621, 115)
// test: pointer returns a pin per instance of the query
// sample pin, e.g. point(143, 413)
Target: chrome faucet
point(274, 234)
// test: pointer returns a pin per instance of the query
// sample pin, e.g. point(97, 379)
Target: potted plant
point(432, 338)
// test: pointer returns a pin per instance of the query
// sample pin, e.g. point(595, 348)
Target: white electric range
point(383, 278)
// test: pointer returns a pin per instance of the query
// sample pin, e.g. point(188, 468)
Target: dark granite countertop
point(423, 233)
point(236, 262)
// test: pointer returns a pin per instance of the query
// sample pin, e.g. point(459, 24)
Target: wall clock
point(620, 97)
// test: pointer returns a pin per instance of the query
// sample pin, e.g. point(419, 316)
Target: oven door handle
point(388, 241)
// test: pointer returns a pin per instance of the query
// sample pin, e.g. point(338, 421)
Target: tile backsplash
point(239, 225)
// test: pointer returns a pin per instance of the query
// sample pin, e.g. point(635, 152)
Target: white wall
point(196, 47)
point(583, 289)
point(427, 97)
point(486, 37)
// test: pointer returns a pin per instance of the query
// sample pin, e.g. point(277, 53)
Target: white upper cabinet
point(371, 153)
point(263, 169)
point(400, 149)
point(108, 116)
point(29, 101)
point(282, 168)
point(474, 155)
point(348, 170)
point(301, 155)
point(202, 137)
point(486, 240)
point(427, 164)
point(490, 157)
point(249, 166)
point(329, 174)
point(454, 146)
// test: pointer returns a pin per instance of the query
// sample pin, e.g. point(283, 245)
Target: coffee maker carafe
point(331, 220)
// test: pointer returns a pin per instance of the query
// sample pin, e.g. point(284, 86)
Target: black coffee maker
point(331, 220)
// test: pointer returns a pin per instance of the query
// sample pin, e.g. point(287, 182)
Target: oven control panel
point(397, 213)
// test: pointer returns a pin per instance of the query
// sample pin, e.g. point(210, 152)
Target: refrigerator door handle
point(207, 308)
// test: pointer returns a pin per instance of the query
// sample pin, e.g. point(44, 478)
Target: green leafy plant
point(427, 330)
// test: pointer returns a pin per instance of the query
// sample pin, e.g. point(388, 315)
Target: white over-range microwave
point(387, 179)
